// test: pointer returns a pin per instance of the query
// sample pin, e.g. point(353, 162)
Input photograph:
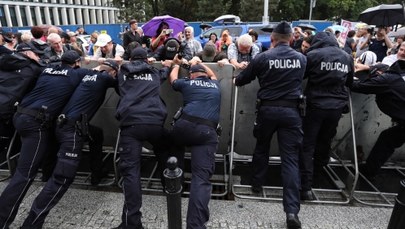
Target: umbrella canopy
point(150, 27)
point(307, 26)
point(399, 32)
point(383, 15)
point(339, 28)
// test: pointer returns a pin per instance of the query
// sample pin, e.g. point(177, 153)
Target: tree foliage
point(248, 10)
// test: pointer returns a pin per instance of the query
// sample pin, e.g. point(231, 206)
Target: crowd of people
point(44, 91)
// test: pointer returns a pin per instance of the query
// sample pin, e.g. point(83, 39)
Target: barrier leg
point(173, 190)
point(397, 220)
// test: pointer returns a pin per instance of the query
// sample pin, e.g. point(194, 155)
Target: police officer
point(33, 122)
point(196, 128)
point(329, 70)
point(141, 113)
point(71, 131)
point(280, 71)
point(18, 72)
point(389, 89)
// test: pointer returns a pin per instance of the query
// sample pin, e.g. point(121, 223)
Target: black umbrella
point(307, 26)
point(383, 15)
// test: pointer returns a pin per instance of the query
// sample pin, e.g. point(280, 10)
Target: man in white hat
point(107, 49)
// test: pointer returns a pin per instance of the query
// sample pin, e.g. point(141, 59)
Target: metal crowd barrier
point(10, 159)
point(242, 150)
point(341, 181)
point(105, 118)
point(370, 121)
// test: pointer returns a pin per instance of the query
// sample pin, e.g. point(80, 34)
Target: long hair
point(160, 28)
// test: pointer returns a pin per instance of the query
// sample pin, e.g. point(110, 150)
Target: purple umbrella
point(150, 27)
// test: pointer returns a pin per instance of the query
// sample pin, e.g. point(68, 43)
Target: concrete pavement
point(82, 208)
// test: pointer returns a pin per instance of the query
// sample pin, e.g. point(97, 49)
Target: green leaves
point(248, 10)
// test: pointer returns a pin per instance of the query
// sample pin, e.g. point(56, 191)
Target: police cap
point(283, 28)
point(28, 47)
point(197, 68)
point(70, 57)
point(111, 63)
point(138, 53)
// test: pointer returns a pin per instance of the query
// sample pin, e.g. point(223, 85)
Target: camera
point(169, 31)
point(181, 51)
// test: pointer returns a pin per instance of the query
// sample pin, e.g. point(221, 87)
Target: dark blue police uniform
point(329, 70)
point(33, 122)
point(196, 128)
point(141, 113)
point(280, 72)
point(390, 98)
point(18, 74)
point(71, 133)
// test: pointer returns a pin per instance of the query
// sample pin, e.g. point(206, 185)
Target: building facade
point(19, 13)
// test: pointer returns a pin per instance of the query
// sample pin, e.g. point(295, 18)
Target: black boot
point(292, 221)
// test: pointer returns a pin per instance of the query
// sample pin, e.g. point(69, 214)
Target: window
point(23, 16)
point(13, 16)
point(42, 10)
point(2, 18)
point(34, 20)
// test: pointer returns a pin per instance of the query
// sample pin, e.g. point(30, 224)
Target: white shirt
point(119, 52)
point(359, 44)
point(389, 60)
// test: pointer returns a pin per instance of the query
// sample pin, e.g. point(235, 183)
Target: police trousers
point(34, 137)
point(69, 155)
point(130, 149)
point(203, 143)
point(387, 142)
point(287, 123)
point(319, 129)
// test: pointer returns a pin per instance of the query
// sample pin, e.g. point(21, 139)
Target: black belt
point(280, 103)
point(199, 120)
point(37, 114)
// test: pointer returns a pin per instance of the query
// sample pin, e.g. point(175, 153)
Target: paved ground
point(84, 209)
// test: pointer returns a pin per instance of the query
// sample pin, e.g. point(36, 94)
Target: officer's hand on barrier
point(167, 63)
point(101, 60)
point(151, 60)
point(195, 60)
point(119, 60)
point(176, 60)
point(87, 60)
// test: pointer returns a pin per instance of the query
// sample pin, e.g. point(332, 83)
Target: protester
point(107, 49)
point(242, 52)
